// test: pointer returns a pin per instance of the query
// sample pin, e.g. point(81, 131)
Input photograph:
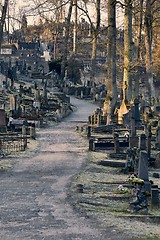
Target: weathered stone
point(155, 196)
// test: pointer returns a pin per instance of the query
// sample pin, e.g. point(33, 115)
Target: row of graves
point(25, 108)
point(132, 143)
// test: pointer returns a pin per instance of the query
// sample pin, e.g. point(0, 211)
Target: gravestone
point(142, 142)
point(116, 143)
point(148, 143)
point(143, 170)
point(88, 131)
point(133, 138)
point(155, 197)
point(137, 112)
point(157, 143)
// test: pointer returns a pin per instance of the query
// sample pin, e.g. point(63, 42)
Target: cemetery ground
point(57, 189)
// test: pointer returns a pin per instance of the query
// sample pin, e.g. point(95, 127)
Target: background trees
point(76, 29)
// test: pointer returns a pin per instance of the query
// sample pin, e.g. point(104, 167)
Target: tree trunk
point(65, 49)
point(127, 83)
point(75, 28)
point(148, 46)
point(139, 30)
point(95, 33)
point(2, 20)
point(111, 98)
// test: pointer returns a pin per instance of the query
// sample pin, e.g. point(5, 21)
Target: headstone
point(88, 131)
point(2, 118)
point(155, 197)
point(142, 142)
point(143, 165)
point(143, 170)
point(149, 136)
point(133, 138)
point(133, 125)
point(81, 94)
point(137, 112)
point(116, 143)
point(24, 136)
point(157, 143)
point(32, 132)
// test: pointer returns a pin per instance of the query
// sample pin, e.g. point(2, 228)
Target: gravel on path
point(34, 186)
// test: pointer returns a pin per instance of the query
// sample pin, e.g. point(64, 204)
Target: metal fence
point(12, 143)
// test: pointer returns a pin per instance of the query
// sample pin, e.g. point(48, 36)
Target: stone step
point(112, 163)
point(118, 155)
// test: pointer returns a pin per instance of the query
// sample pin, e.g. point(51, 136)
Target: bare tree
point(111, 98)
point(2, 20)
point(75, 28)
point(127, 83)
point(95, 34)
point(65, 47)
point(148, 25)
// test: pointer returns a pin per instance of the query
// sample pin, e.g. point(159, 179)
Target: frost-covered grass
point(102, 199)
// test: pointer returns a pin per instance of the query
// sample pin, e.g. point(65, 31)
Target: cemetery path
point(33, 197)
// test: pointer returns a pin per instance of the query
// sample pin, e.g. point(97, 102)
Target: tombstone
point(143, 170)
point(116, 143)
point(157, 162)
point(19, 112)
point(142, 189)
point(136, 86)
point(133, 138)
point(155, 197)
point(142, 106)
point(95, 118)
point(133, 124)
point(142, 142)
point(2, 118)
point(157, 143)
point(81, 94)
point(98, 119)
point(137, 112)
point(32, 132)
point(157, 109)
point(126, 119)
point(45, 98)
point(132, 161)
point(148, 143)
point(24, 133)
point(20, 88)
point(88, 131)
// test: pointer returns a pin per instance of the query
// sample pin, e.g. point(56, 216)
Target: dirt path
point(33, 190)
